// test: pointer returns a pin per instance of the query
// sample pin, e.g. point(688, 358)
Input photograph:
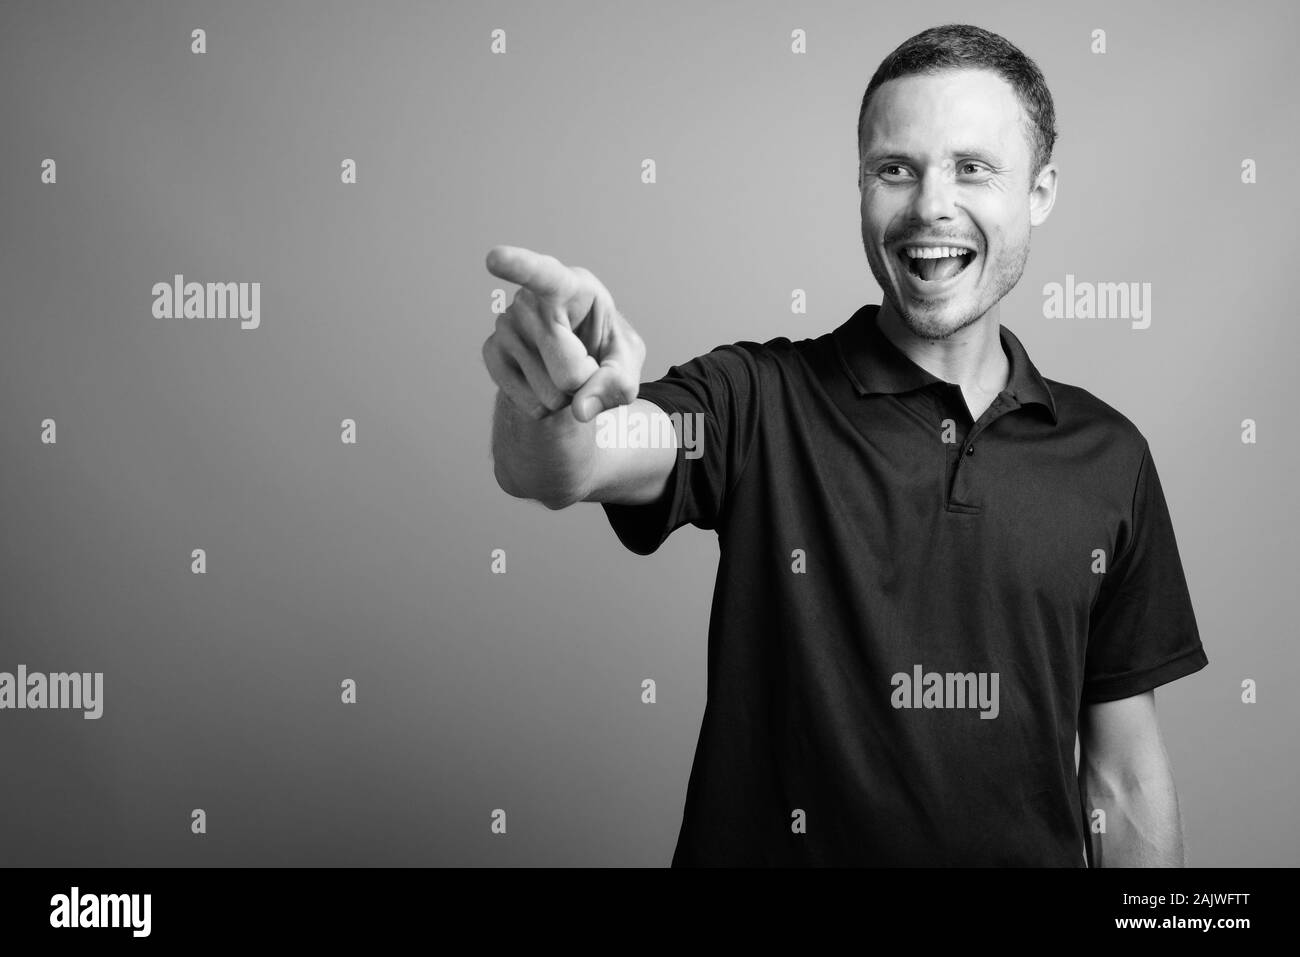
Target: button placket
point(953, 405)
point(961, 468)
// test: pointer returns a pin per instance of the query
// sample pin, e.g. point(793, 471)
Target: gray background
point(326, 561)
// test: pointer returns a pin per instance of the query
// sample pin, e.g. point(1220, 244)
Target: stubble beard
point(929, 322)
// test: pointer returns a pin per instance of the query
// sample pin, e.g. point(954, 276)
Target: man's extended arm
point(563, 358)
point(1124, 771)
point(555, 459)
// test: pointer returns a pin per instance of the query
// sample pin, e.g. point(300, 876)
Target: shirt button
point(970, 450)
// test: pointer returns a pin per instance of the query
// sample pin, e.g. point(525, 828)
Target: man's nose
point(935, 196)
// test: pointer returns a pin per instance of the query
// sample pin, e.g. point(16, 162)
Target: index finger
point(544, 275)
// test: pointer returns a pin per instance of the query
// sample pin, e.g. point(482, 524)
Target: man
point(936, 566)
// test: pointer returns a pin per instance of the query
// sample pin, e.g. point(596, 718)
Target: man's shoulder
point(1077, 406)
point(773, 355)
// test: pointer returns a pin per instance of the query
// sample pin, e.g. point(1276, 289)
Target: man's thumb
point(609, 387)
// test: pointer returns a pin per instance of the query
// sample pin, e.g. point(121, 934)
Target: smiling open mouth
point(935, 263)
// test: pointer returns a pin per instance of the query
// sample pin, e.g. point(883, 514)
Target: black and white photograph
point(450, 441)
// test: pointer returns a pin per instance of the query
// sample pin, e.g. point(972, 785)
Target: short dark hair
point(958, 46)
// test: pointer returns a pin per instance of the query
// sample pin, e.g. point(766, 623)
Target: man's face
point(947, 162)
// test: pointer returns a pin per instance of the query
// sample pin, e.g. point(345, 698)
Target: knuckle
point(569, 381)
point(553, 399)
point(575, 379)
point(507, 331)
point(552, 394)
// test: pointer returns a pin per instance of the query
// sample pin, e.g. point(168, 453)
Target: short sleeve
point(719, 391)
point(1142, 632)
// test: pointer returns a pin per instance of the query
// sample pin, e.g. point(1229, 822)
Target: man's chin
point(934, 318)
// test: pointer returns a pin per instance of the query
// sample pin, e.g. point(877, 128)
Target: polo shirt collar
point(875, 365)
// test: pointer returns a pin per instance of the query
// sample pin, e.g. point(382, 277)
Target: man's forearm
point(1142, 824)
point(548, 459)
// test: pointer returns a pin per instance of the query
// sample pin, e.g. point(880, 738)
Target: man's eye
point(973, 167)
point(892, 169)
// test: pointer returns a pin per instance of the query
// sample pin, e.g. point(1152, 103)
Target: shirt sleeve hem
point(1114, 687)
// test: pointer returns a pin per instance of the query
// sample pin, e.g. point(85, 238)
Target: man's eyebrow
point(875, 156)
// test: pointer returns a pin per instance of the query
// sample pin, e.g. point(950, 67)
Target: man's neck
point(971, 358)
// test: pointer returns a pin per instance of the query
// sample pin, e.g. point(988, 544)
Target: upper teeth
point(933, 252)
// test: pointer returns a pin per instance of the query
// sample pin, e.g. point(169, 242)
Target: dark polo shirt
point(882, 557)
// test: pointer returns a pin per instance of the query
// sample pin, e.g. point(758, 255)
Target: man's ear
point(1042, 196)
